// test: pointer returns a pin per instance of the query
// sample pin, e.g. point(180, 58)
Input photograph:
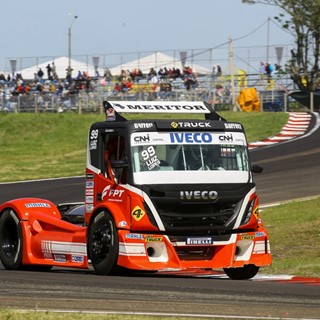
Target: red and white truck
point(160, 194)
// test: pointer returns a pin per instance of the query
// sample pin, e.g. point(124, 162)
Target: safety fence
point(221, 92)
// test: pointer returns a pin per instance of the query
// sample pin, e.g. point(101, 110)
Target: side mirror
point(118, 164)
point(256, 168)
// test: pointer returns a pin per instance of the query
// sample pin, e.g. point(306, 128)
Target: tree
point(302, 19)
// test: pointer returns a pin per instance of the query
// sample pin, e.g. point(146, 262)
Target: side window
point(114, 149)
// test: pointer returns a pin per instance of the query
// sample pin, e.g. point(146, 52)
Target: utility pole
point(69, 70)
point(231, 73)
point(268, 38)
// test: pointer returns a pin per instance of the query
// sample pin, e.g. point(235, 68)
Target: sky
point(39, 28)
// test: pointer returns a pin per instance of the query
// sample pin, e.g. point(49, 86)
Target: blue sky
point(38, 28)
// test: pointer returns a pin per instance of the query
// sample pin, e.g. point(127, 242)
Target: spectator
point(107, 75)
point(40, 75)
point(54, 72)
point(117, 88)
point(262, 70)
point(49, 70)
point(269, 70)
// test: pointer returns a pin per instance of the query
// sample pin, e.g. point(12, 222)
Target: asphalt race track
point(291, 171)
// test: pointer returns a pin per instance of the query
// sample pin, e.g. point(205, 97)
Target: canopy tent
point(61, 65)
point(156, 60)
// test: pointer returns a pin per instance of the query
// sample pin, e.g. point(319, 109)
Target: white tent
point(156, 60)
point(61, 65)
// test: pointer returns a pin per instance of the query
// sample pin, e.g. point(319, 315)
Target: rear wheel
point(103, 244)
point(246, 272)
point(10, 240)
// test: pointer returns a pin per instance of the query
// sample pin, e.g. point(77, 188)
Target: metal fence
point(221, 92)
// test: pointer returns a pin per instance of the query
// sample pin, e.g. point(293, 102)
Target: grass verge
point(35, 146)
point(294, 231)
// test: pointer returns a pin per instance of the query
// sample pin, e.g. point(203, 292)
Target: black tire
point(11, 245)
point(243, 273)
point(103, 244)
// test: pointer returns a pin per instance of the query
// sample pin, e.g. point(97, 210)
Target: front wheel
point(242, 273)
point(103, 244)
point(10, 240)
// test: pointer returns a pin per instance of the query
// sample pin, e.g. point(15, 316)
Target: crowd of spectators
point(46, 82)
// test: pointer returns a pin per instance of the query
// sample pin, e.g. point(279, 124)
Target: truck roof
point(115, 116)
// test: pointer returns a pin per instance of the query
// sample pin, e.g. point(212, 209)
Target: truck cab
point(172, 194)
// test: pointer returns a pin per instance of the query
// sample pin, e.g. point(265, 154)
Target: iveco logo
point(199, 195)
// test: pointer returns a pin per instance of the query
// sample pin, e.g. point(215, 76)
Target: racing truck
point(161, 194)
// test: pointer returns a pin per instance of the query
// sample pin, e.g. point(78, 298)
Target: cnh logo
point(142, 138)
point(226, 137)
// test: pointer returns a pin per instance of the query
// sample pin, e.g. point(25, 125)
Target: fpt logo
point(137, 213)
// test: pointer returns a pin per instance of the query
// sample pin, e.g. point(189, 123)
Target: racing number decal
point(137, 213)
point(150, 158)
point(146, 154)
point(94, 134)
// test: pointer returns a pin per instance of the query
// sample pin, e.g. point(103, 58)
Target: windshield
point(194, 157)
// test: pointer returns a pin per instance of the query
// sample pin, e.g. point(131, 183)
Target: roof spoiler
point(114, 108)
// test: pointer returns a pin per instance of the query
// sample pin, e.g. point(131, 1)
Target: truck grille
point(199, 219)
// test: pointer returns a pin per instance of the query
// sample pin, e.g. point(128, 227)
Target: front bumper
point(159, 252)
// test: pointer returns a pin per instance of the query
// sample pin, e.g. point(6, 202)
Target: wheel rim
point(10, 241)
point(9, 248)
point(102, 240)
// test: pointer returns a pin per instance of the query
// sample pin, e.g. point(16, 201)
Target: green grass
point(294, 231)
point(31, 315)
point(37, 146)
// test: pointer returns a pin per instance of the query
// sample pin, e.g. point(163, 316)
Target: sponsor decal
point(89, 199)
point(77, 259)
point(153, 239)
point(256, 212)
point(134, 236)
point(227, 138)
point(59, 258)
point(233, 126)
point(122, 224)
point(137, 213)
point(147, 125)
point(247, 236)
point(89, 192)
point(142, 138)
point(93, 144)
point(111, 114)
point(199, 241)
point(89, 208)
point(89, 184)
point(199, 195)
point(37, 205)
point(177, 125)
point(260, 234)
point(191, 137)
point(89, 176)
point(111, 193)
point(160, 107)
